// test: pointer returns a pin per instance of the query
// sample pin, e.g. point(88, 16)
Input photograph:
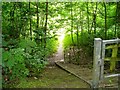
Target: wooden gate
point(100, 47)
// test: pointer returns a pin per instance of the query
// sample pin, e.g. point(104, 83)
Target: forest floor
point(54, 77)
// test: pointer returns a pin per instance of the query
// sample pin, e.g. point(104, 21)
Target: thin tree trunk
point(30, 22)
point(115, 32)
point(72, 31)
point(37, 23)
point(37, 4)
point(95, 14)
point(72, 24)
point(46, 24)
point(16, 21)
point(105, 20)
point(115, 21)
point(24, 25)
point(12, 20)
point(21, 21)
point(77, 36)
point(1, 33)
point(81, 27)
point(78, 46)
point(88, 16)
point(118, 20)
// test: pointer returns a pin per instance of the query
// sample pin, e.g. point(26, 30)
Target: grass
point(52, 77)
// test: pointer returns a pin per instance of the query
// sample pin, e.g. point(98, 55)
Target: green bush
point(85, 40)
point(34, 56)
point(51, 46)
point(67, 42)
point(35, 61)
point(26, 59)
point(13, 64)
point(27, 44)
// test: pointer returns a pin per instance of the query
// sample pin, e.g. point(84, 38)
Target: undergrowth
point(24, 59)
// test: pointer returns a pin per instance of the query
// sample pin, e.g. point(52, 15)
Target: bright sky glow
point(61, 37)
point(61, 33)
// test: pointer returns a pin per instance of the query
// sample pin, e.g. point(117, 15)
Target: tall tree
point(46, 19)
point(30, 22)
point(117, 22)
point(88, 16)
point(81, 23)
point(37, 12)
point(12, 19)
point(71, 4)
point(105, 10)
point(94, 18)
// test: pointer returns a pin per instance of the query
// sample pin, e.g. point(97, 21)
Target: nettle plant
point(13, 64)
point(34, 56)
point(20, 62)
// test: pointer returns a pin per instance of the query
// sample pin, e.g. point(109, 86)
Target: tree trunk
point(46, 24)
point(72, 24)
point(94, 19)
point(88, 17)
point(77, 37)
point(12, 21)
point(116, 20)
point(37, 4)
point(105, 20)
point(81, 27)
point(30, 22)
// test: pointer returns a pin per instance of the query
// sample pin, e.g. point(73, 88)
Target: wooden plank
point(111, 58)
point(112, 46)
point(112, 75)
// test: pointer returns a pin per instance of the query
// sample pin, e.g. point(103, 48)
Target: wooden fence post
point(96, 62)
point(114, 56)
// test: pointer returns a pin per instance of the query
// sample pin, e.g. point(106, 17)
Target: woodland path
point(56, 77)
point(60, 74)
point(58, 56)
point(83, 73)
point(53, 76)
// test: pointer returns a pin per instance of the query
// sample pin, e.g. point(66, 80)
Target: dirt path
point(53, 76)
point(58, 56)
point(82, 71)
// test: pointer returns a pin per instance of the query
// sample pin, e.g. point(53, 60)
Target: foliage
point(51, 46)
point(14, 64)
point(35, 61)
point(26, 60)
point(67, 42)
point(27, 44)
point(34, 55)
point(29, 31)
point(85, 43)
point(85, 40)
